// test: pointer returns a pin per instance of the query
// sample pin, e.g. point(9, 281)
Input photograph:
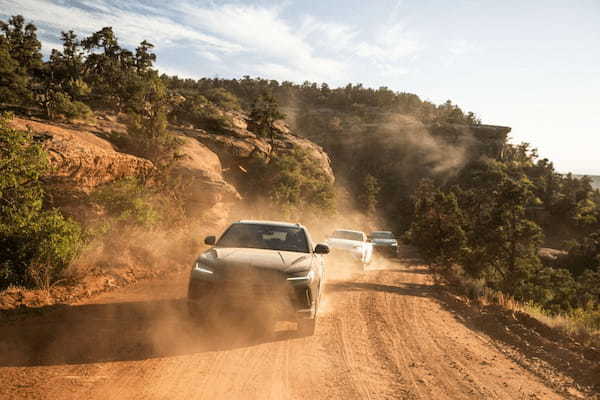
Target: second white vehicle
point(351, 245)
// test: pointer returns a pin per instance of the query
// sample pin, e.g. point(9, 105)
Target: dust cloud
point(419, 147)
point(128, 330)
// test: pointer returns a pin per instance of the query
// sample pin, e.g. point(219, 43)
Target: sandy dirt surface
point(381, 334)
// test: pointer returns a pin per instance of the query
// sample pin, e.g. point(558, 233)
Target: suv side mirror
point(321, 249)
point(210, 240)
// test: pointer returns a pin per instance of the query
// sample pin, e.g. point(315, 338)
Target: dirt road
point(381, 335)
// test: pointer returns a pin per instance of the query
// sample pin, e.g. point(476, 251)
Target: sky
point(531, 65)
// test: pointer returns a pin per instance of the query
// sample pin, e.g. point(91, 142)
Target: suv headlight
point(202, 268)
point(302, 276)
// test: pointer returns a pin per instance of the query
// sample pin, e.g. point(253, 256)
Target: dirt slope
point(381, 335)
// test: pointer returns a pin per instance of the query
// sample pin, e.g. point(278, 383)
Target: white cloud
point(131, 27)
point(265, 35)
point(231, 38)
point(209, 55)
point(455, 49)
point(48, 45)
point(459, 47)
point(175, 71)
point(331, 35)
point(390, 46)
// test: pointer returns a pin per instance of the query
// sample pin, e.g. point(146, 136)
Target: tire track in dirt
point(459, 368)
point(388, 352)
point(456, 366)
point(401, 351)
point(419, 368)
point(433, 357)
point(437, 360)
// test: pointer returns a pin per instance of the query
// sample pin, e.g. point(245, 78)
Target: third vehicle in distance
point(384, 242)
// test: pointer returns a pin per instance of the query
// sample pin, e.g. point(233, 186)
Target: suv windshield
point(348, 235)
point(382, 235)
point(270, 237)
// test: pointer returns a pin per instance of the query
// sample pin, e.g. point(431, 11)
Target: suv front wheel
point(306, 326)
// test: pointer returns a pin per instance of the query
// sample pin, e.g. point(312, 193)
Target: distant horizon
point(527, 65)
point(580, 174)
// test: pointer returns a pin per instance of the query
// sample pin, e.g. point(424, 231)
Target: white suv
point(352, 244)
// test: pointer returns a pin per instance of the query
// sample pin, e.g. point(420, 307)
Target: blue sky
point(532, 65)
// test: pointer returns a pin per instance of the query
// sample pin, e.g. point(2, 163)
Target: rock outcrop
point(238, 145)
point(81, 161)
point(207, 193)
point(82, 158)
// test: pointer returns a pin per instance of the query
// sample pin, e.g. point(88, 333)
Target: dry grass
point(581, 325)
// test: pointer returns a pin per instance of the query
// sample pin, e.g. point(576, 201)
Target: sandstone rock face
point(207, 194)
point(81, 160)
point(315, 151)
point(238, 145)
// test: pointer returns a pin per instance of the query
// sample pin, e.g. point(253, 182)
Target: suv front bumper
point(284, 297)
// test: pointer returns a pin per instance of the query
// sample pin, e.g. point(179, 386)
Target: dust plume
point(136, 326)
point(415, 142)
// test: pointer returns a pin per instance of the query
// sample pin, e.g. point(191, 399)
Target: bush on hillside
point(63, 105)
point(199, 112)
point(223, 98)
point(127, 202)
point(36, 245)
point(293, 181)
point(439, 226)
point(147, 127)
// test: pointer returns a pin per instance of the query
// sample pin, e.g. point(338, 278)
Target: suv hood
point(285, 261)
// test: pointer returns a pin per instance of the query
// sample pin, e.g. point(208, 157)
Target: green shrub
point(58, 241)
point(552, 288)
point(223, 98)
point(127, 202)
point(438, 227)
point(294, 181)
point(70, 109)
point(265, 111)
point(35, 244)
point(201, 113)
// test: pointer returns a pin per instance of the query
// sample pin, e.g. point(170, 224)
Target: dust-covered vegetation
point(292, 182)
point(391, 139)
